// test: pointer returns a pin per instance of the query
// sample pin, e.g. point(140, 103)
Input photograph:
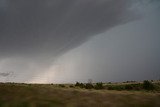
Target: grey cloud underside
point(4, 74)
point(34, 27)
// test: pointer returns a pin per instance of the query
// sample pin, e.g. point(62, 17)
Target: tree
point(147, 85)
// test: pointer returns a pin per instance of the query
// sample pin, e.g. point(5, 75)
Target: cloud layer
point(52, 27)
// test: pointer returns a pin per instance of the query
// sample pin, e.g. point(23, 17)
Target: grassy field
point(51, 95)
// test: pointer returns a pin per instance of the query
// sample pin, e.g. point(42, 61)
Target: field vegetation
point(126, 94)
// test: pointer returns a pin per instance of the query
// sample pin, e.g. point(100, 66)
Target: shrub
point(116, 87)
point(137, 86)
point(119, 87)
point(99, 86)
point(147, 85)
point(81, 85)
point(128, 87)
point(71, 86)
point(110, 88)
point(77, 84)
point(61, 85)
point(89, 86)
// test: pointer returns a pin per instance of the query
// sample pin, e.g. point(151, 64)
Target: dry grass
point(23, 95)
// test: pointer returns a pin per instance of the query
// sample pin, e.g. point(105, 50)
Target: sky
point(64, 41)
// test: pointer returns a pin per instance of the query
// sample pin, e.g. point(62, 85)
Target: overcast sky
point(63, 41)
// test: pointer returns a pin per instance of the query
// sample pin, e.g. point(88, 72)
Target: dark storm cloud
point(35, 27)
point(3, 74)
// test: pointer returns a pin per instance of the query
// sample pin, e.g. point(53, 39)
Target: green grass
point(47, 95)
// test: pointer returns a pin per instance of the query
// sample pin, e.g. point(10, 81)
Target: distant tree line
point(98, 85)
point(146, 85)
